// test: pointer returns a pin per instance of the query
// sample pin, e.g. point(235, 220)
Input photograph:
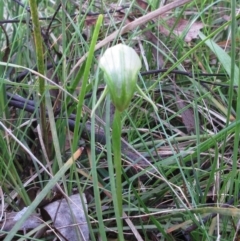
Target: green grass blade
point(85, 79)
point(40, 64)
point(222, 56)
point(95, 172)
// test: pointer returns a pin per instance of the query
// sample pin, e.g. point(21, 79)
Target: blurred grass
point(185, 172)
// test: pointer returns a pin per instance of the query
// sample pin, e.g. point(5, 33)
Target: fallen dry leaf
point(142, 4)
point(90, 20)
point(183, 26)
point(187, 115)
point(69, 217)
point(10, 220)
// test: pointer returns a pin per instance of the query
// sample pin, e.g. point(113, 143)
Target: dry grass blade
point(132, 227)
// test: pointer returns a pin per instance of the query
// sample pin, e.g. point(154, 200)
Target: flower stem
point(116, 142)
point(40, 65)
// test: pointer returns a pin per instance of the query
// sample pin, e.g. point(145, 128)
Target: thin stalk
point(3, 98)
point(234, 176)
point(115, 193)
point(40, 65)
point(85, 79)
point(116, 143)
point(95, 172)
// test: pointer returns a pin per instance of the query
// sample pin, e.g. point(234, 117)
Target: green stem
point(3, 98)
point(40, 65)
point(111, 171)
point(94, 170)
point(116, 143)
point(85, 80)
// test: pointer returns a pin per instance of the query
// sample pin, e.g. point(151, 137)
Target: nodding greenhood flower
point(121, 66)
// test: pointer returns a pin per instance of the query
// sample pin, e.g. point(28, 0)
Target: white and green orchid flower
point(121, 66)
